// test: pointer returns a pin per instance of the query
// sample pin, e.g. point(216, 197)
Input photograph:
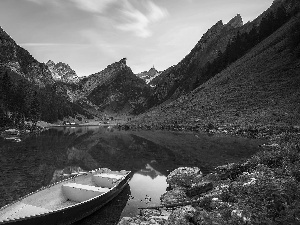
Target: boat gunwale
point(64, 208)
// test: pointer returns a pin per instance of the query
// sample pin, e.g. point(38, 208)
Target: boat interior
point(67, 193)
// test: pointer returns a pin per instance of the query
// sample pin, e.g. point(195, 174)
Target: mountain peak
point(148, 76)
point(62, 71)
point(50, 63)
point(153, 70)
point(236, 21)
point(210, 34)
point(123, 61)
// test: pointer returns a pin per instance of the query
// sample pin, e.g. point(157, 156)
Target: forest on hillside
point(243, 42)
point(21, 101)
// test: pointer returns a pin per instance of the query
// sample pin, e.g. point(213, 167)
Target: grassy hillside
point(261, 88)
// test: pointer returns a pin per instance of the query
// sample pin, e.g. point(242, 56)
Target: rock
point(199, 188)
point(148, 76)
point(184, 177)
point(233, 170)
point(147, 217)
point(205, 217)
point(236, 22)
point(150, 212)
point(181, 216)
point(63, 72)
point(126, 221)
point(238, 215)
point(174, 196)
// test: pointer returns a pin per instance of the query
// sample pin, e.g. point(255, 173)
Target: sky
point(91, 34)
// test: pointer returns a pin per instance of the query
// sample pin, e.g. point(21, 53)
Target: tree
point(266, 26)
point(6, 85)
point(35, 111)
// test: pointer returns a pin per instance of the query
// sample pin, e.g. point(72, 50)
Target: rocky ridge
point(17, 59)
point(62, 72)
point(91, 82)
point(116, 89)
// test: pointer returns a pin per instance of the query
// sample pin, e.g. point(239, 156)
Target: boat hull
point(74, 213)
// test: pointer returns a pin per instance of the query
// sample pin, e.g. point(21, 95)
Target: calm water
point(37, 161)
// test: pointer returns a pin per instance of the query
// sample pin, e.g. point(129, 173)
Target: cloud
point(49, 44)
point(96, 6)
point(126, 15)
point(137, 21)
point(53, 2)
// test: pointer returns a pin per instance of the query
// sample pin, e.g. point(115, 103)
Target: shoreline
point(236, 193)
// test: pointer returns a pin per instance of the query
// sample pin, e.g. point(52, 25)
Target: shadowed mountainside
point(116, 89)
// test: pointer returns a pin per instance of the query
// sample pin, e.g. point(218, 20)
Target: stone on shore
point(184, 177)
point(181, 216)
point(147, 217)
point(173, 196)
point(199, 188)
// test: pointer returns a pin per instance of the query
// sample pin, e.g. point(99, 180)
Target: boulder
point(174, 196)
point(184, 177)
point(206, 217)
point(126, 221)
point(199, 188)
point(181, 216)
point(233, 170)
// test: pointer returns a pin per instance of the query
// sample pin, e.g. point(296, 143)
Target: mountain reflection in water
point(151, 155)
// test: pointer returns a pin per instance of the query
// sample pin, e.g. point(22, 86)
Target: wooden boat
point(67, 201)
point(11, 134)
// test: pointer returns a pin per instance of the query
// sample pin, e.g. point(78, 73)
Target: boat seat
point(80, 192)
point(107, 180)
point(26, 210)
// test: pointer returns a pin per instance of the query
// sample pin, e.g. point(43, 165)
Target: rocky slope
point(62, 72)
point(116, 89)
point(17, 59)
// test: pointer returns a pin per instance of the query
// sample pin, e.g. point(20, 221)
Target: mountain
point(116, 89)
point(148, 76)
point(182, 78)
point(62, 72)
point(28, 90)
point(254, 80)
point(236, 73)
point(56, 92)
point(220, 46)
point(19, 60)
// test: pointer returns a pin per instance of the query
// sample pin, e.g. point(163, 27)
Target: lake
point(38, 160)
